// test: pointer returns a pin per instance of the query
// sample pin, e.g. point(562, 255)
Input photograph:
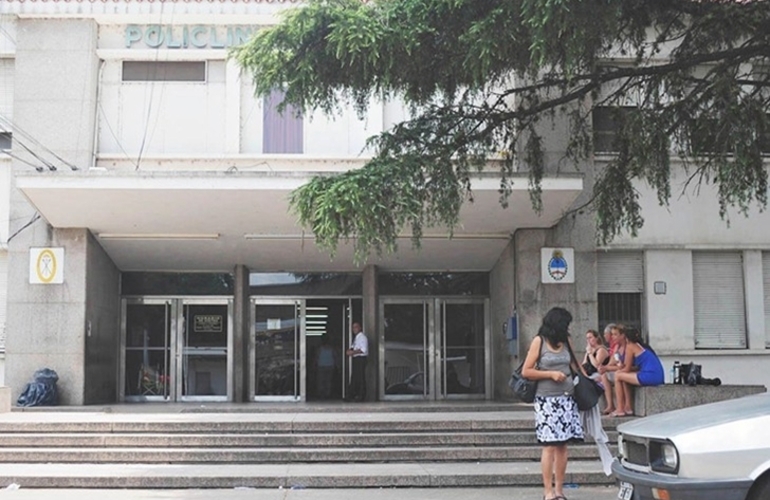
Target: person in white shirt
point(358, 351)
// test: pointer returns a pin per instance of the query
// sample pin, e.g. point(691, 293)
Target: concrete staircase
point(378, 446)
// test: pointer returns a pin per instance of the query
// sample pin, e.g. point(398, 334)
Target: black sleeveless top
point(590, 369)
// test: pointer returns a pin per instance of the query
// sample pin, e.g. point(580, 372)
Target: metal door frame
point(179, 353)
point(300, 305)
point(429, 352)
point(150, 301)
point(175, 305)
point(434, 341)
point(441, 308)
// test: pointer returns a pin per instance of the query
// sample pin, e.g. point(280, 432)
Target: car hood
point(673, 423)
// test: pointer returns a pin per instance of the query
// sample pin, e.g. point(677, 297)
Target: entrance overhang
point(211, 221)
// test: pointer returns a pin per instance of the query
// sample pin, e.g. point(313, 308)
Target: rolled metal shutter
point(720, 306)
point(766, 282)
point(620, 272)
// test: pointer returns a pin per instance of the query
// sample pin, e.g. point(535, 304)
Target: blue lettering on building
point(200, 36)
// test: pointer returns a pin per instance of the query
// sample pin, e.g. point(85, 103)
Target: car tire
point(761, 489)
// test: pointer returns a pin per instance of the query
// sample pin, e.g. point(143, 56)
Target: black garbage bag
point(41, 391)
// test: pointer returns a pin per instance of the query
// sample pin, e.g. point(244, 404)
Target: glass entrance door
point(433, 348)
point(462, 360)
point(203, 352)
point(277, 350)
point(406, 349)
point(146, 364)
point(176, 350)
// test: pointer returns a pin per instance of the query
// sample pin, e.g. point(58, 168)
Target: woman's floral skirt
point(557, 420)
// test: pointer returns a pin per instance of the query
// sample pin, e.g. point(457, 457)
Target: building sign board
point(46, 266)
point(208, 323)
point(557, 265)
point(199, 36)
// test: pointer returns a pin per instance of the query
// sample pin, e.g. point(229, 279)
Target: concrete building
point(151, 254)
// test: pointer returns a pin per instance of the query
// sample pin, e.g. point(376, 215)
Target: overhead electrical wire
point(18, 133)
point(35, 218)
point(18, 158)
point(152, 93)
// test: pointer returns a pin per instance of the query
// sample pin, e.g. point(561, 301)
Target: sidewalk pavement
point(471, 493)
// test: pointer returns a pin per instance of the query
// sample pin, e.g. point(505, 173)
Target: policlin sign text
point(199, 36)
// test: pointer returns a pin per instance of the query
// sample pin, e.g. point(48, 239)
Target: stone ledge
point(662, 398)
point(5, 399)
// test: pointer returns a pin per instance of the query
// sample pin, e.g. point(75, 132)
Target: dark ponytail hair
point(555, 327)
point(634, 335)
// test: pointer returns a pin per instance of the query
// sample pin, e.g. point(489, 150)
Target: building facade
point(152, 256)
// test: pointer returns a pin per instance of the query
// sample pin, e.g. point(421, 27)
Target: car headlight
point(664, 457)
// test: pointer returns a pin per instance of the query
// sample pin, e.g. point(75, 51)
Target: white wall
point(692, 221)
point(741, 368)
point(184, 118)
point(670, 317)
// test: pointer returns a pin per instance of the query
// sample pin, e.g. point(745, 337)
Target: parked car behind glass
point(718, 451)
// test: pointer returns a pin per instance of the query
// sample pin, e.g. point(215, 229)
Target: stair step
point(303, 455)
point(263, 440)
point(353, 475)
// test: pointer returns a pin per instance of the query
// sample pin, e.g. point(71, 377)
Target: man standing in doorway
point(359, 350)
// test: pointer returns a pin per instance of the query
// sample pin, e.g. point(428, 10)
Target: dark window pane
point(164, 71)
point(177, 284)
point(5, 140)
point(434, 284)
point(305, 284)
point(606, 122)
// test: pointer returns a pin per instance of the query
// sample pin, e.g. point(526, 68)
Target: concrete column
point(56, 78)
point(46, 324)
point(102, 327)
point(670, 315)
point(501, 305)
point(755, 299)
point(372, 330)
point(241, 330)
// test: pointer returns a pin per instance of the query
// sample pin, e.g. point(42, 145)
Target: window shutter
point(720, 311)
point(766, 282)
point(282, 132)
point(620, 272)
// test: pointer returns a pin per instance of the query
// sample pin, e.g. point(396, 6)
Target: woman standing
point(557, 420)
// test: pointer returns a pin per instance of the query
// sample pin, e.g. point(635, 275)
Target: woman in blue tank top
point(642, 367)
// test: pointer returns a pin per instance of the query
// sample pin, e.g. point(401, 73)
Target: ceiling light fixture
point(159, 236)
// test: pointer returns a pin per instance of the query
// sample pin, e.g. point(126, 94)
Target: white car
point(718, 451)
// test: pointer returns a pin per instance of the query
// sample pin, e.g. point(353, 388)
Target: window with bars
point(620, 281)
point(625, 308)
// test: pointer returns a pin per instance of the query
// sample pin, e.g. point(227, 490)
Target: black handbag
point(523, 388)
point(586, 391)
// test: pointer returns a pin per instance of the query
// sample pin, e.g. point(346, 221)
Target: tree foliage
point(690, 78)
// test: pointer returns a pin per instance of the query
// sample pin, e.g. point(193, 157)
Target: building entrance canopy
point(211, 221)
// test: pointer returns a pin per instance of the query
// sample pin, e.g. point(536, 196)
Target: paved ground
point(578, 493)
